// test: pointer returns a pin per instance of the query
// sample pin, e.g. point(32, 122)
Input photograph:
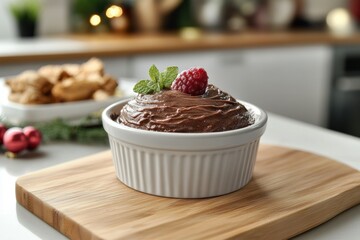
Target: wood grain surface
point(102, 45)
point(291, 191)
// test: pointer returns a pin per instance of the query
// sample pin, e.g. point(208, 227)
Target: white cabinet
point(290, 81)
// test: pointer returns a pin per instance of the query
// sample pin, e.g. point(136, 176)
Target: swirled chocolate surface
point(174, 111)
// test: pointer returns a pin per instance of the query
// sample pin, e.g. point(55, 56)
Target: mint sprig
point(158, 80)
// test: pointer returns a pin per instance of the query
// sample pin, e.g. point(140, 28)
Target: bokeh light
point(339, 21)
point(95, 20)
point(114, 11)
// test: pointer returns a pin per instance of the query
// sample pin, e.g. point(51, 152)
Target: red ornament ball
point(2, 132)
point(33, 136)
point(15, 140)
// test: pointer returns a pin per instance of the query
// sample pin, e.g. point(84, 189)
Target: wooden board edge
point(327, 209)
point(62, 223)
point(333, 207)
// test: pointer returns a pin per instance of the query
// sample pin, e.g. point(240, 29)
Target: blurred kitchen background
point(296, 58)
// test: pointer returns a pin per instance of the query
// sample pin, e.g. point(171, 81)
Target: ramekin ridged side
point(183, 174)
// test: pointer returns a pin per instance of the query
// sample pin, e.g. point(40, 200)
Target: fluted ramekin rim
point(185, 141)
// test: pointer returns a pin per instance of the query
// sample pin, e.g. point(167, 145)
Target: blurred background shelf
point(69, 47)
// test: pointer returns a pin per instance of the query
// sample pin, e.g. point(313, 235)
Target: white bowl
point(34, 113)
point(184, 165)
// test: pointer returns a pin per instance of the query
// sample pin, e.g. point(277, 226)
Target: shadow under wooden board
point(291, 192)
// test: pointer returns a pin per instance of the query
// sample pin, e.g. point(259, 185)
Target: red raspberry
point(193, 81)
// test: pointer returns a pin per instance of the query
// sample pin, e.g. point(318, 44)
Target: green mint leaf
point(161, 84)
point(142, 87)
point(154, 86)
point(168, 76)
point(154, 73)
point(158, 80)
point(163, 77)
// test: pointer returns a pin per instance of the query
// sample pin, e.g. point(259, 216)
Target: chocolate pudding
point(174, 111)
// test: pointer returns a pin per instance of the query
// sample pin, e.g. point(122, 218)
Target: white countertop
point(17, 223)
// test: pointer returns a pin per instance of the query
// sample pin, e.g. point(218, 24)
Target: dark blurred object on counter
point(26, 14)
point(305, 19)
point(344, 114)
point(300, 21)
point(182, 16)
point(149, 15)
point(354, 7)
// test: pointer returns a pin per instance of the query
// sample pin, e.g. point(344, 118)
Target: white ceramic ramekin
point(184, 165)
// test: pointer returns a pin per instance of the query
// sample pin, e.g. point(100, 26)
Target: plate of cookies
point(69, 91)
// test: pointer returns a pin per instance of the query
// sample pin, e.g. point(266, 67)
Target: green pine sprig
point(88, 130)
point(158, 80)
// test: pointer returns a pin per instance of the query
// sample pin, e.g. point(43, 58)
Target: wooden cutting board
point(291, 191)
